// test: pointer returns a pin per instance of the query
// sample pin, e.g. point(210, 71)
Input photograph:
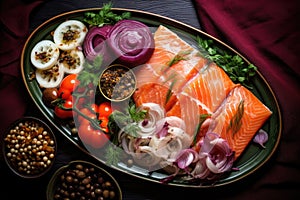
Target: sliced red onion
point(261, 137)
point(95, 43)
point(215, 155)
point(163, 130)
point(186, 157)
point(132, 42)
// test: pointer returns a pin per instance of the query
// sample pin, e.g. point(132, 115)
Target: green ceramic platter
point(249, 162)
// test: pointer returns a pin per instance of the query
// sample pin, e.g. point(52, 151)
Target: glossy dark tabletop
point(133, 188)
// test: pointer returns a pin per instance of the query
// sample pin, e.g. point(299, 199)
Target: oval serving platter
point(252, 158)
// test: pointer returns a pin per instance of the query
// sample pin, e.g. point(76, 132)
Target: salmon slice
point(173, 62)
point(166, 39)
point(210, 87)
point(189, 110)
point(155, 93)
point(239, 117)
point(153, 69)
point(193, 61)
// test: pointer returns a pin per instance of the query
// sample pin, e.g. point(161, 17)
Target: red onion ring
point(132, 42)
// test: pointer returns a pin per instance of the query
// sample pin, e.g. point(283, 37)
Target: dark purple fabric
point(15, 15)
point(267, 33)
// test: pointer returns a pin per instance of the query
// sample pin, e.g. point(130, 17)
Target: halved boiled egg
point(44, 54)
point(69, 34)
point(50, 78)
point(71, 61)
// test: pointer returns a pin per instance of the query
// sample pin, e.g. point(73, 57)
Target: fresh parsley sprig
point(105, 16)
point(128, 120)
point(113, 154)
point(91, 72)
point(233, 65)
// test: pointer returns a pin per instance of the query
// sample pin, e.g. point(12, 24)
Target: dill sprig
point(202, 118)
point(236, 121)
point(180, 56)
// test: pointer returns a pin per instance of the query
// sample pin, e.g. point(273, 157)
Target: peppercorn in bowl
point(29, 147)
point(83, 180)
point(117, 83)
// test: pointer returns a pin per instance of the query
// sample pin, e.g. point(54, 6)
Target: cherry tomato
point(65, 93)
point(61, 112)
point(105, 109)
point(69, 82)
point(90, 136)
point(104, 124)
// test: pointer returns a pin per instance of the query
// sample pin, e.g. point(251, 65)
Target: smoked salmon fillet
point(239, 117)
point(210, 87)
point(189, 86)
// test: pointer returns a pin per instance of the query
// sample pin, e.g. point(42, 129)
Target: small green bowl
point(117, 83)
point(29, 147)
point(85, 175)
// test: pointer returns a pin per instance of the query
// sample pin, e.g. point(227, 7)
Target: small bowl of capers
point(117, 83)
point(29, 147)
point(81, 179)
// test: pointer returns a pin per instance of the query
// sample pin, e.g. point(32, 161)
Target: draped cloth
point(14, 16)
point(267, 33)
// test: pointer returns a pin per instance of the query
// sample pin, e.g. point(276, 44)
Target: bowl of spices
point(117, 82)
point(29, 147)
point(81, 179)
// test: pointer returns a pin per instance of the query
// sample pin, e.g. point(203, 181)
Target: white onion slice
point(44, 54)
point(71, 61)
point(77, 31)
point(49, 78)
point(149, 126)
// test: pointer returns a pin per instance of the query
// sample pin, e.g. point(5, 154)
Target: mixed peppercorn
point(117, 82)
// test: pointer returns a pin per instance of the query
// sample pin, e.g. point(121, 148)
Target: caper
point(106, 193)
point(80, 174)
point(90, 184)
point(69, 179)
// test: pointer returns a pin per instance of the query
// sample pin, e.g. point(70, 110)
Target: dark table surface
point(133, 188)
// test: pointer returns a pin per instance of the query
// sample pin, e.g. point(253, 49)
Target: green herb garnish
point(91, 72)
point(113, 154)
point(127, 120)
point(233, 65)
point(105, 16)
point(236, 121)
point(180, 56)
